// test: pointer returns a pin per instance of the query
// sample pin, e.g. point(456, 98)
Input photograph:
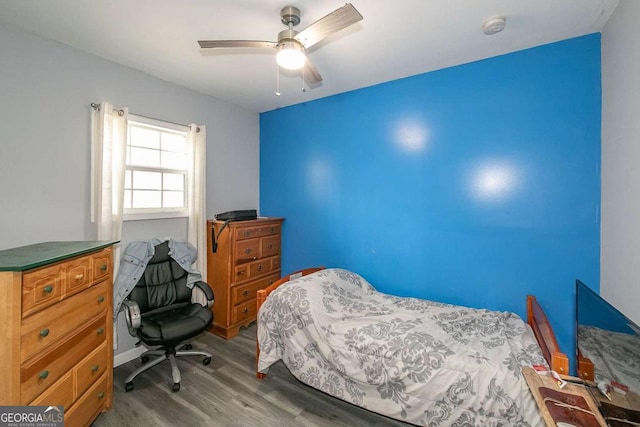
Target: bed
point(418, 361)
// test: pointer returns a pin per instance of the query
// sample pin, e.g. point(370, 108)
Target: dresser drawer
point(247, 249)
point(90, 369)
point(88, 405)
point(101, 264)
point(242, 312)
point(269, 230)
point(41, 288)
point(259, 268)
point(45, 328)
point(275, 263)
point(42, 371)
point(241, 272)
point(247, 291)
point(242, 233)
point(78, 274)
point(246, 233)
point(270, 246)
point(60, 394)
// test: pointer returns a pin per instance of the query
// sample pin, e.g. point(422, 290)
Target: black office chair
point(160, 312)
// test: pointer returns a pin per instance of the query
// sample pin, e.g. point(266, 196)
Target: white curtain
point(108, 157)
point(197, 224)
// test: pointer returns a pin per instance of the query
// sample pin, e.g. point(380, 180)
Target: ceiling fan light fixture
point(290, 55)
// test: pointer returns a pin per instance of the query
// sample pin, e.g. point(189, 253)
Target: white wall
point(620, 227)
point(45, 94)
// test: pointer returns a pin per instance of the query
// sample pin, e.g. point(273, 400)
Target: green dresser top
point(32, 256)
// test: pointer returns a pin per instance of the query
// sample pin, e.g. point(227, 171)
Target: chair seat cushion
point(173, 324)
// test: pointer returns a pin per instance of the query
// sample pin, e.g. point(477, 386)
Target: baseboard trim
point(127, 356)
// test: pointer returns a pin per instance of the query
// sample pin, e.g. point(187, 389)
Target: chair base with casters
point(164, 313)
point(162, 354)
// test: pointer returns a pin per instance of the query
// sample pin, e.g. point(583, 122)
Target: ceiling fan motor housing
point(290, 15)
point(287, 35)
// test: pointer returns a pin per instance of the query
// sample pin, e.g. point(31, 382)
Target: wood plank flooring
point(227, 393)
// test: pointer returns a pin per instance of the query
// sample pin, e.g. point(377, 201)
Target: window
point(156, 173)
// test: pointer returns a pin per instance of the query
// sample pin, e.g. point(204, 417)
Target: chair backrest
point(164, 282)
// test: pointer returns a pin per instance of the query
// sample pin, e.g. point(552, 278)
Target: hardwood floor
point(227, 393)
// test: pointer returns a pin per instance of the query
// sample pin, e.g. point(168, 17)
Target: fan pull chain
point(277, 80)
point(303, 88)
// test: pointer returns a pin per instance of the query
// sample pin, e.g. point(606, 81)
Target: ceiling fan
point(291, 44)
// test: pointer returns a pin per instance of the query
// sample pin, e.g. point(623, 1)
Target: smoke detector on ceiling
point(494, 25)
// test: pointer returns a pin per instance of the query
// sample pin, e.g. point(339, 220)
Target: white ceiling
point(396, 38)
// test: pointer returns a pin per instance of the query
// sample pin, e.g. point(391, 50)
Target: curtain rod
point(97, 107)
point(121, 113)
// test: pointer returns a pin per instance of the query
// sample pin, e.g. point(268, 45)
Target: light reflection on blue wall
point(473, 185)
point(411, 135)
point(493, 181)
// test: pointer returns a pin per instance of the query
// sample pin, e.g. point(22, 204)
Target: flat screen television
point(607, 341)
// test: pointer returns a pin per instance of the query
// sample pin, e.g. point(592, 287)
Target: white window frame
point(135, 214)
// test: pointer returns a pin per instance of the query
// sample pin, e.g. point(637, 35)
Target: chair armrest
point(132, 315)
point(207, 291)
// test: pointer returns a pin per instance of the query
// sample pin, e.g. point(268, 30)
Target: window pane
point(172, 160)
point(127, 199)
point(157, 168)
point(174, 142)
point(145, 157)
point(173, 181)
point(173, 199)
point(146, 199)
point(147, 180)
point(143, 137)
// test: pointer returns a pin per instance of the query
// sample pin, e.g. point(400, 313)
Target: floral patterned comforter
point(418, 361)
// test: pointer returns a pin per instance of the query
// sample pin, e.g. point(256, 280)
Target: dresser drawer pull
point(100, 331)
point(103, 267)
point(240, 273)
point(44, 333)
point(79, 276)
point(260, 268)
point(273, 229)
point(48, 289)
point(245, 311)
point(95, 368)
point(101, 395)
point(43, 375)
point(246, 234)
point(245, 292)
point(270, 246)
point(100, 299)
point(247, 251)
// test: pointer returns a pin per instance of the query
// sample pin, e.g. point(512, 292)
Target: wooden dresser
point(55, 320)
point(247, 258)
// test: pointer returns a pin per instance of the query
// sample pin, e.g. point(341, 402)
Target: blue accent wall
point(474, 185)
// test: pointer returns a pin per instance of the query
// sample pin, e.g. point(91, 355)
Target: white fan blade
point(311, 74)
point(335, 21)
point(212, 44)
